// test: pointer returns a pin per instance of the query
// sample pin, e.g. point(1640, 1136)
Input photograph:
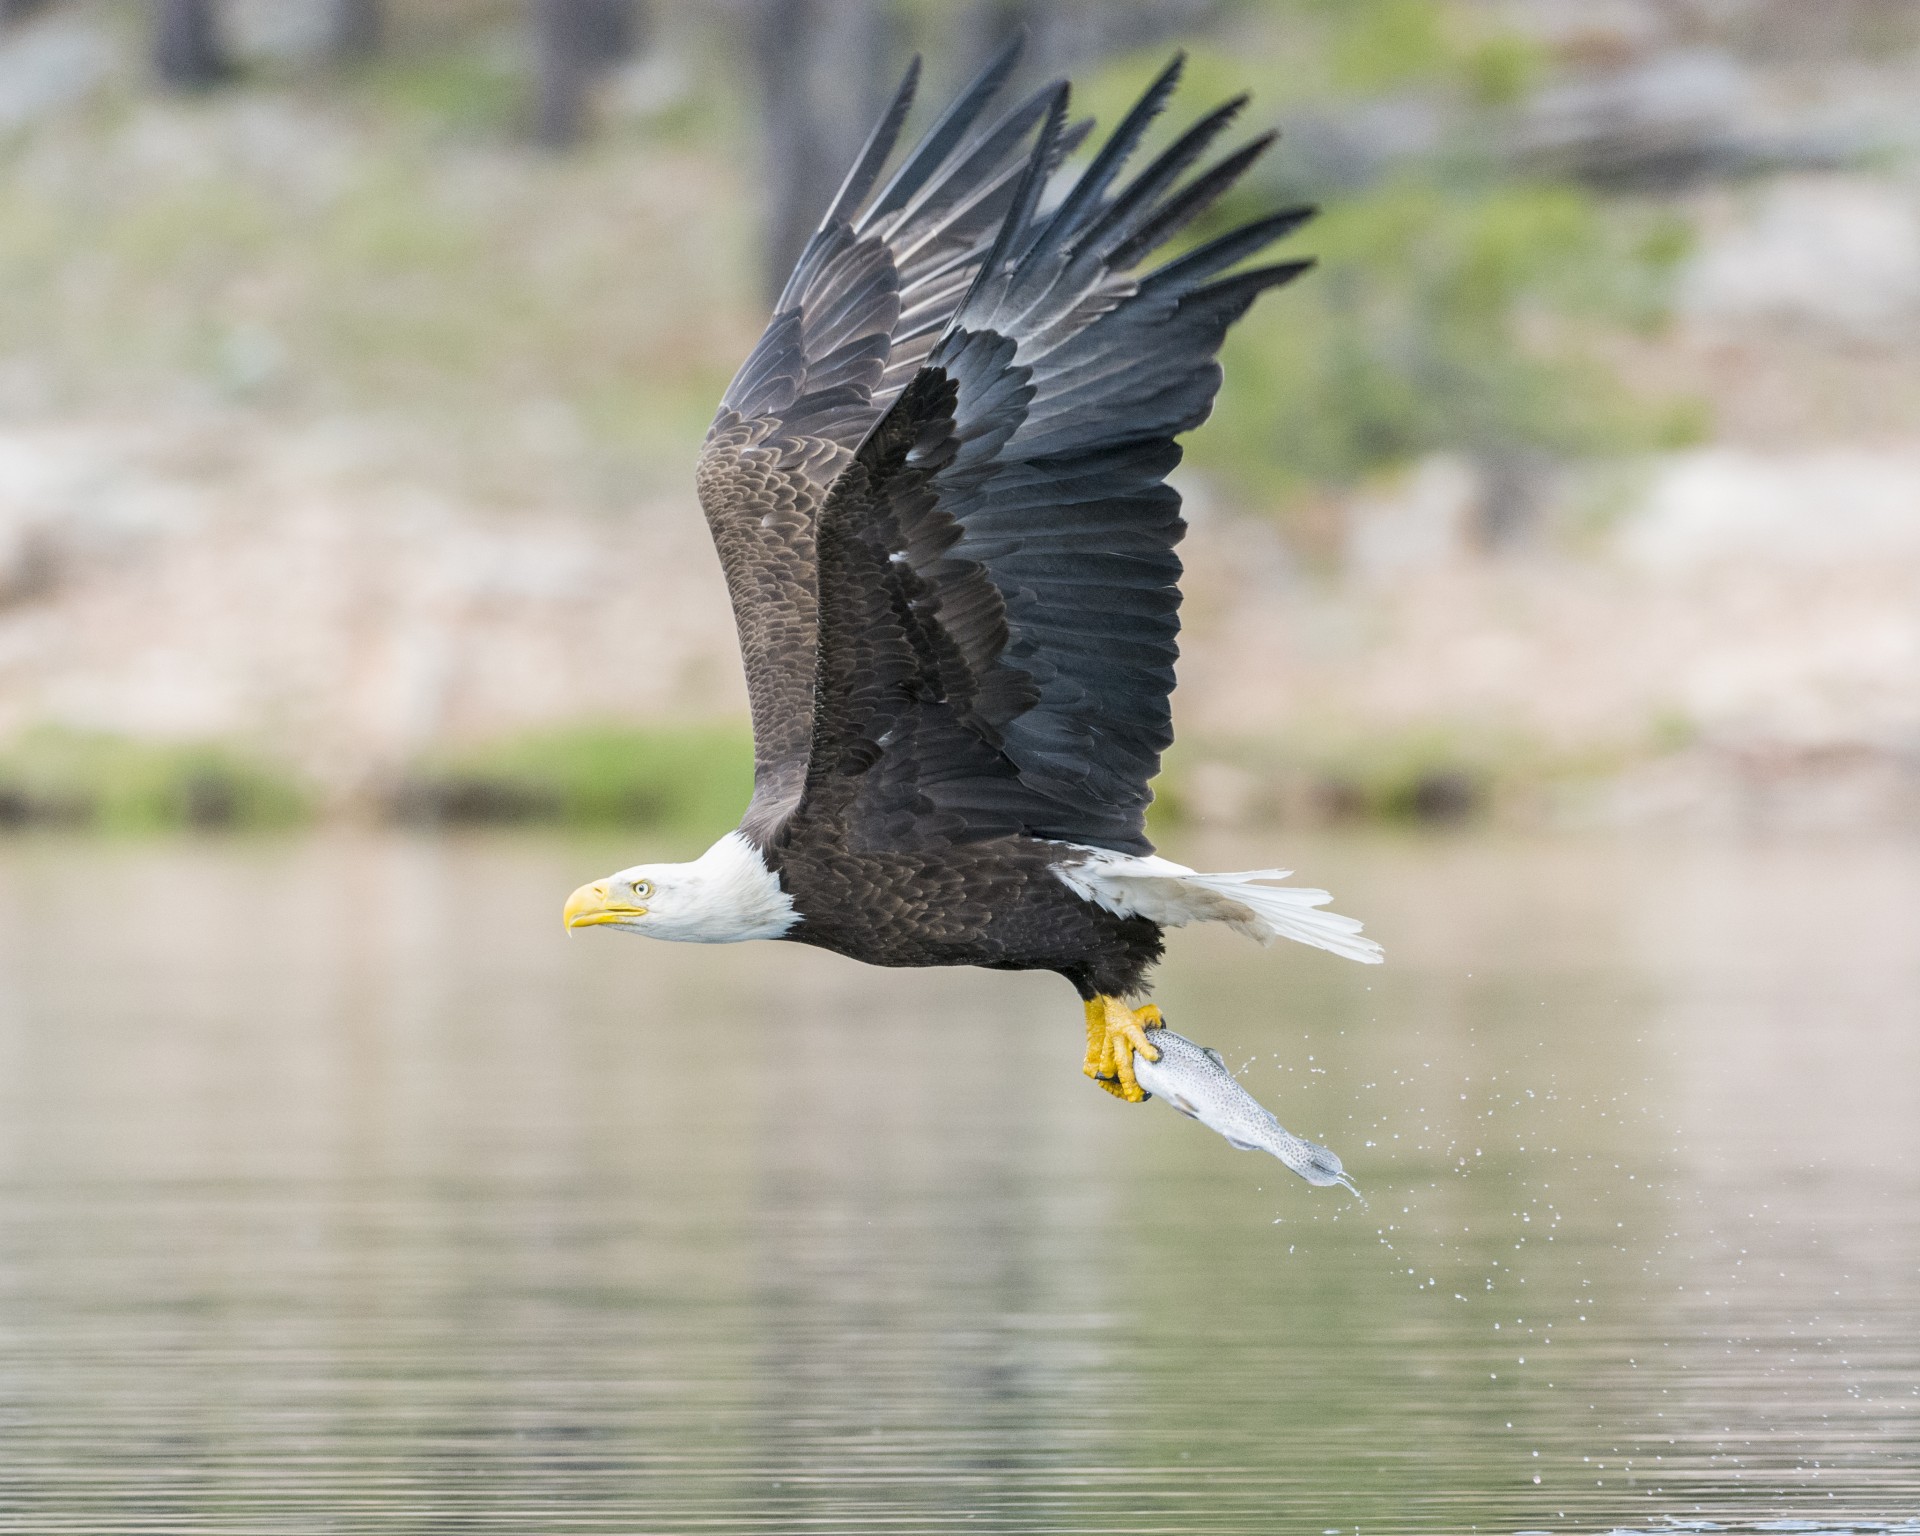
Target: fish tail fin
point(1320, 1167)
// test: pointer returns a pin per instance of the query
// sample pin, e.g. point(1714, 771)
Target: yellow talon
point(1114, 1033)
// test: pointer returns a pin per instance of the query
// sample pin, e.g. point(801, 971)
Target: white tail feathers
point(1290, 912)
point(1249, 902)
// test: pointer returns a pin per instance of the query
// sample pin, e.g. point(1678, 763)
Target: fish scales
point(1195, 1081)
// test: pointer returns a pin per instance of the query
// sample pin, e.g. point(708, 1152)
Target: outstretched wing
point(1000, 602)
point(876, 287)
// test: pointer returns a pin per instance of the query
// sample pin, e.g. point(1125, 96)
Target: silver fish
point(1195, 1081)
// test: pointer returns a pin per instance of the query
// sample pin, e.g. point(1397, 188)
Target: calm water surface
point(340, 1192)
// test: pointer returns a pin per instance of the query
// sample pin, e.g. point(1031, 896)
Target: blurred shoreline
point(1730, 649)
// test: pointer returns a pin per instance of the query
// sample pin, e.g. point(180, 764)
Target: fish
point(1195, 1081)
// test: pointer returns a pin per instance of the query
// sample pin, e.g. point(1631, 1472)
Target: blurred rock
point(1682, 116)
point(29, 564)
point(652, 85)
point(1625, 118)
point(283, 29)
point(1828, 507)
point(1841, 252)
point(1604, 33)
point(1664, 120)
point(1426, 521)
point(1350, 148)
point(49, 66)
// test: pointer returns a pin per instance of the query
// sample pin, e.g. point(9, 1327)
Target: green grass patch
point(458, 91)
point(678, 779)
point(1445, 318)
point(70, 778)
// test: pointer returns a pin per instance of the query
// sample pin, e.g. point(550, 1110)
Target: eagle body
point(938, 490)
point(995, 904)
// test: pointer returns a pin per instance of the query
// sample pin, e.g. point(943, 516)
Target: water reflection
point(338, 1188)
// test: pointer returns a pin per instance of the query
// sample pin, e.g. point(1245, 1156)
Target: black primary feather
point(1001, 655)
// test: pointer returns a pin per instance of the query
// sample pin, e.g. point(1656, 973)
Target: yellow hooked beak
point(589, 907)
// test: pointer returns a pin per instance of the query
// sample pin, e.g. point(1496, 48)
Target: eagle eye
point(643, 888)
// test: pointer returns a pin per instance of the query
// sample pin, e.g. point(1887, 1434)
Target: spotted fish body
point(1195, 1081)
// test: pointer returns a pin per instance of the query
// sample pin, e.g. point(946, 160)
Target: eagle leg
point(1114, 1033)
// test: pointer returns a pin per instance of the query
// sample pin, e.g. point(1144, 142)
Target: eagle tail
point(1289, 912)
point(1249, 901)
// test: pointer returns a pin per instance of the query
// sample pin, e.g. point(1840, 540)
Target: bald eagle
point(938, 490)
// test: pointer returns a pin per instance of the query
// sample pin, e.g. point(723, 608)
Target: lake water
point(340, 1191)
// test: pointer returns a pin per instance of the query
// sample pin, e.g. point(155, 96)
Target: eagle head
point(725, 895)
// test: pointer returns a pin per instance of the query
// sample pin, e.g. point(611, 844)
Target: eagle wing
point(875, 288)
point(999, 598)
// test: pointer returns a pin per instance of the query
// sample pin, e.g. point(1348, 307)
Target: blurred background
point(354, 355)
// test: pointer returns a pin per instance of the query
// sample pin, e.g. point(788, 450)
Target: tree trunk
point(1063, 35)
point(981, 28)
point(188, 54)
point(19, 10)
point(610, 30)
point(1514, 484)
point(574, 41)
point(353, 29)
point(824, 76)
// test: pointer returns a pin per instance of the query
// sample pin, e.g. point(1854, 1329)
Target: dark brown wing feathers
point(871, 294)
